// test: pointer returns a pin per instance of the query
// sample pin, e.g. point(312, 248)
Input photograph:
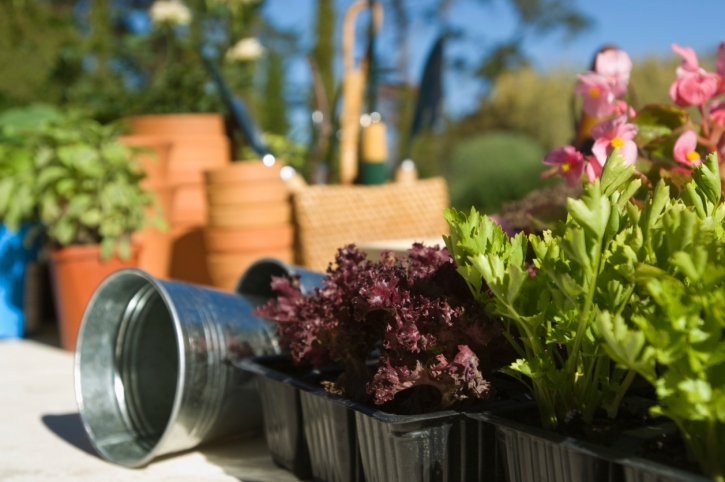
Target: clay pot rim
point(75, 251)
point(240, 171)
point(221, 231)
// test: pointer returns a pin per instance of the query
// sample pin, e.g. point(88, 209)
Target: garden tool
point(374, 152)
point(353, 86)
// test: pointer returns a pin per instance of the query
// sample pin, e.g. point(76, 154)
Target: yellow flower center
point(566, 167)
point(693, 156)
point(594, 92)
point(617, 142)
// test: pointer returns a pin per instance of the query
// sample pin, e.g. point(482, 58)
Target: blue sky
point(641, 27)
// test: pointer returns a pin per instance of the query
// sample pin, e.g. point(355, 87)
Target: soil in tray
point(667, 448)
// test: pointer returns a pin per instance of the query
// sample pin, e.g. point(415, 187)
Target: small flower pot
point(243, 172)
point(76, 272)
point(233, 240)
point(250, 215)
point(178, 124)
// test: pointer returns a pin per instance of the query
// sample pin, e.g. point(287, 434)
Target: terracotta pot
point(76, 272)
point(250, 215)
point(242, 172)
point(178, 124)
point(188, 255)
point(157, 244)
point(225, 268)
point(189, 205)
point(235, 240)
point(247, 193)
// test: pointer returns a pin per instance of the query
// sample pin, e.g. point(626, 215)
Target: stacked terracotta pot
point(198, 142)
point(249, 218)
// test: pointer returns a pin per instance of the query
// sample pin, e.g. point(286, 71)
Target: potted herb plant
point(17, 214)
point(615, 259)
point(408, 344)
point(83, 187)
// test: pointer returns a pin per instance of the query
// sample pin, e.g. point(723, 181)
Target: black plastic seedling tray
point(524, 452)
point(283, 429)
point(351, 442)
point(323, 443)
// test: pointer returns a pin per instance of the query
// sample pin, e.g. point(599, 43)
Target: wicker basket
point(329, 217)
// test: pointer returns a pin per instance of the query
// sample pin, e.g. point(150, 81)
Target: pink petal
point(717, 111)
point(674, 93)
point(689, 59)
point(615, 65)
point(609, 128)
point(574, 175)
point(563, 154)
point(697, 89)
point(603, 104)
point(687, 142)
point(593, 170)
point(600, 150)
point(627, 131)
point(629, 152)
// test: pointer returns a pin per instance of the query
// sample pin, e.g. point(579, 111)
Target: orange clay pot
point(76, 272)
point(236, 240)
point(188, 255)
point(244, 172)
point(178, 124)
point(226, 268)
point(250, 215)
point(246, 193)
point(155, 256)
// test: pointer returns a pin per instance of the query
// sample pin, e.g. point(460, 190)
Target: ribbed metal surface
point(283, 426)
point(410, 448)
point(153, 366)
point(330, 434)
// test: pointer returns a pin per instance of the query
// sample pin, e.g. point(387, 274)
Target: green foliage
point(640, 286)
point(561, 353)
point(283, 148)
point(324, 52)
point(73, 176)
point(33, 36)
point(674, 335)
point(493, 168)
point(275, 106)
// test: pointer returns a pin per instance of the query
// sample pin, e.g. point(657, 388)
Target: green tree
point(324, 52)
point(275, 106)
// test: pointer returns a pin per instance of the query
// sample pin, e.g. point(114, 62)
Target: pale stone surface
point(42, 439)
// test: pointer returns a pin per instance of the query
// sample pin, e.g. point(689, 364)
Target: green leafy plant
point(561, 354)
point(674, 335)
point(74, 177)
point(625, 281)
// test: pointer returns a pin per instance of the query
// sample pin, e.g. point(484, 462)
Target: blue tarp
point(14, 254)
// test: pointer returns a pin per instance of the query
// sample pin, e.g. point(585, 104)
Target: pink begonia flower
point(614, 133)
point(693, 85)
point(717, 112)
point(624, 108)
point(689, 65)
point(569, 161)
point(599, 99)
point(685, 151)
point(593, 169)
point(615, 65)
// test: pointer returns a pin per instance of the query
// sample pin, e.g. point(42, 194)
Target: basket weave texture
point(329, 217)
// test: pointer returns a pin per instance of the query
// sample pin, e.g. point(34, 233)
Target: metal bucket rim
point(181, 369)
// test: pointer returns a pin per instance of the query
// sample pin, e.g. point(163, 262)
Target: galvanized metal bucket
point(153, 366)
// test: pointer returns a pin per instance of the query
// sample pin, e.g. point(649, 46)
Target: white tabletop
point(41, 436)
